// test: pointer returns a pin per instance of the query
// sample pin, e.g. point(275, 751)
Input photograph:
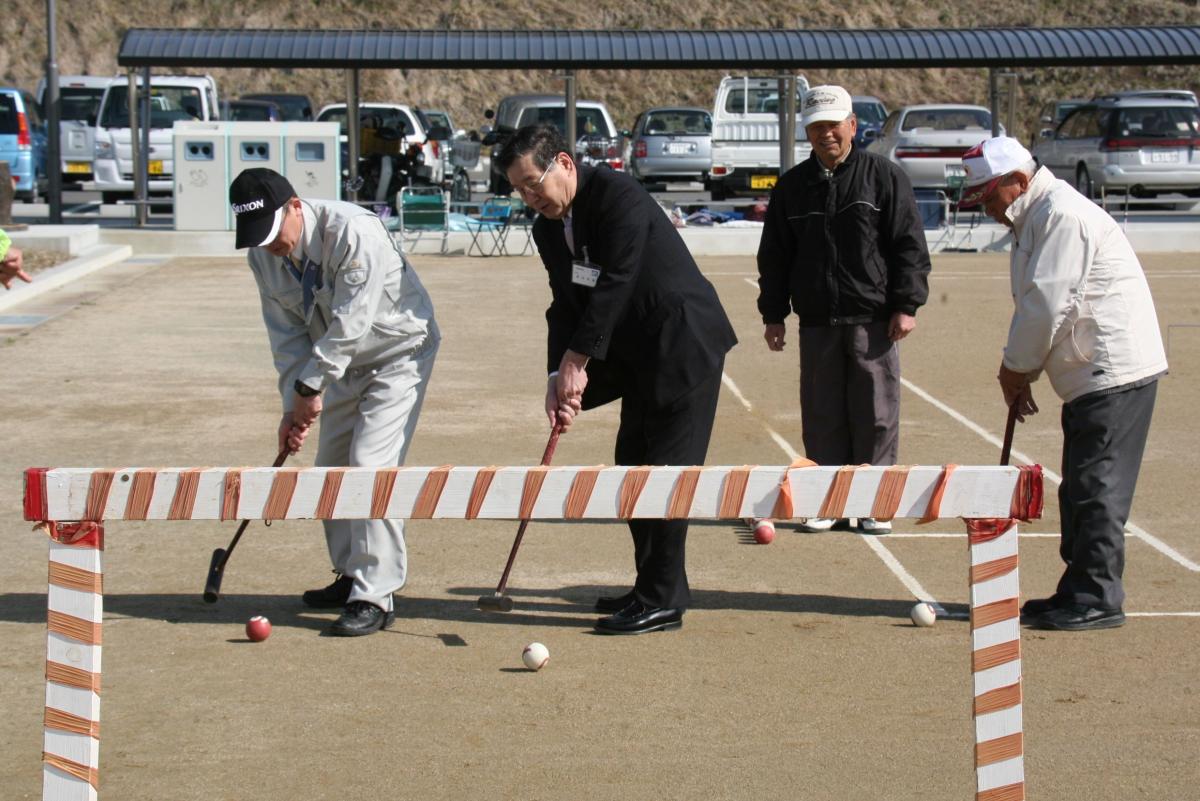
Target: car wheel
point(718, 191)
point(110, 198)
point(1083, 182)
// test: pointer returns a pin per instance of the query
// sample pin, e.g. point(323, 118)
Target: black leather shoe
point(330, 597)
point(359, 618)
point(1080, 617)
point(1036, 607)
point(637, 618)
point(614, 603)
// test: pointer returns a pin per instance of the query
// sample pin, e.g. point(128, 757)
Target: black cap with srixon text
point(257, 197)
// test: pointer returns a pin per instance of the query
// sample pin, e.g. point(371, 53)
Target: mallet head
point(495, 603)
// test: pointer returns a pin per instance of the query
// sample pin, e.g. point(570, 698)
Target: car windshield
point(679, 122)
point(371, 118)
point(247, 112)
point(438, 118)
point(870, 112)
point(587, 120)
point(168, 104)
point(948, 119)
point(1165, 121)
point(758, 100)
point(79, 103)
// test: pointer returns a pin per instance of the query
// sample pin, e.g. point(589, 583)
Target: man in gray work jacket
point(843, 247)
point(354, 341)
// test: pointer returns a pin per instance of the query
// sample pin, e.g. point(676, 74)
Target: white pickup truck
point(78, 99)
point(745, 136)
point(172, 98)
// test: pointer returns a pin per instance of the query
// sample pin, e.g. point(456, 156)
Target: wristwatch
point(304, 390)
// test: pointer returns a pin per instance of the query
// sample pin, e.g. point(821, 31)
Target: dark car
point(251, 111)
point(871, 113)
point(292, 106)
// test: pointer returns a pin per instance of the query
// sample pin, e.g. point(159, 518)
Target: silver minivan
point(671, 144)
point(1143, 146)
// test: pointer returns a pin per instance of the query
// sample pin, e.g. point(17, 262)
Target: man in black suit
point(631, 317)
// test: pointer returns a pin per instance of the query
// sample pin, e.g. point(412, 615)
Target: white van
point(79, 99)
point(745, 136)
point(172, 98)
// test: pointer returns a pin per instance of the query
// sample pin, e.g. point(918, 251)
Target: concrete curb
point(89, 260)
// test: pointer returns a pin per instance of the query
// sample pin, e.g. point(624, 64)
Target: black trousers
point(1104, 437)
point(849, 394)
point(674, 435)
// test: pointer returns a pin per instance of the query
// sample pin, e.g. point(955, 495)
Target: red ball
point(764, 532)
point(258, 628)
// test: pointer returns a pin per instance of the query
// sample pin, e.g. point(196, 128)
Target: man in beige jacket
point(354, 339)
point(1084, 316)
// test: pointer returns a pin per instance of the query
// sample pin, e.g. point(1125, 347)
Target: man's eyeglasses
point(535, 187)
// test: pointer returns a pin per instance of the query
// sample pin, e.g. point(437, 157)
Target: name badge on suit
point(586, 272)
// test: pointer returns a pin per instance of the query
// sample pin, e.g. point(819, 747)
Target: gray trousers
point(850, 394)
point(368, 420)
point(1104, 437)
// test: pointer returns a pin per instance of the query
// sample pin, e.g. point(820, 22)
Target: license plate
point(763, 181)
point(156, 167)
point(679, 147)
point(78, 166)
point(1164, 157)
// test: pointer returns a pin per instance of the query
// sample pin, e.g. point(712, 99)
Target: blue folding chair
point(490, 226)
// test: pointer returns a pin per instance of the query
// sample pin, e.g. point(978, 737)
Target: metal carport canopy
point(734, 49)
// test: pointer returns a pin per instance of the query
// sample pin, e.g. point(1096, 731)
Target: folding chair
point(423, 210)
point(520, 219)
point(493, 220)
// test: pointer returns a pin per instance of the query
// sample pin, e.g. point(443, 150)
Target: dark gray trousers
point(849, 394)
point(1104, 437)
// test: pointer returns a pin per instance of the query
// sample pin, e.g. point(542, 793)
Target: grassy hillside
point(89, 32)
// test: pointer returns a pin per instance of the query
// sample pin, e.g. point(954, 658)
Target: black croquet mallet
point(1009, 429)
point(216, 568)
point(498, 601)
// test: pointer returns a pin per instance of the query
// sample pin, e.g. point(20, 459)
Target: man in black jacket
point(844, 248)
point(630, 317)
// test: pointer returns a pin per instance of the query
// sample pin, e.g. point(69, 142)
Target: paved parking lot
point(796, 675)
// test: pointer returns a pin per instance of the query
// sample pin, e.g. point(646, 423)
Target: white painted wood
point(1004, 631)
point(970, 492)
point(164, 494)
point(118, 494)
point(80, 748)
point(997, 589)
point(76, 700)
point(86, 605)
point(1003, 546)
point(996, 677)
point(995, 725)
point(1000, 774)
point(72, 653)
point(59, 786)
point(75, 556)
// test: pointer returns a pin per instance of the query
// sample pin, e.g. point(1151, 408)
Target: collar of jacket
point(1018, 210)
point(816, 174)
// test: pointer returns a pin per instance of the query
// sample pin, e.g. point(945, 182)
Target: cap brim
point(832, 115)
point(974, 194)
point(258, 231)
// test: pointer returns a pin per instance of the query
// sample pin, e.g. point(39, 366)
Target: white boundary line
point(1134, 529)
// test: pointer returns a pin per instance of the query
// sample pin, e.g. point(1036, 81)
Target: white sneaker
point(869, 525)
point(816, 524)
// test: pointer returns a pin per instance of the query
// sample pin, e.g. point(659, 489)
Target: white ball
point(535, 656)
point(922, 614)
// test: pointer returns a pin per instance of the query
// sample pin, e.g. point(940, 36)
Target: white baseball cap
point(825, 104)
point(988, 162)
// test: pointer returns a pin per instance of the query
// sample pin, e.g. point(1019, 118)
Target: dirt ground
point(796, 675)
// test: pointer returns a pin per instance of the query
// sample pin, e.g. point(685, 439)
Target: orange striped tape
point(76, 578)
point(81, 772)
point(65, 721)
point(72, 677)
point(73, 627)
